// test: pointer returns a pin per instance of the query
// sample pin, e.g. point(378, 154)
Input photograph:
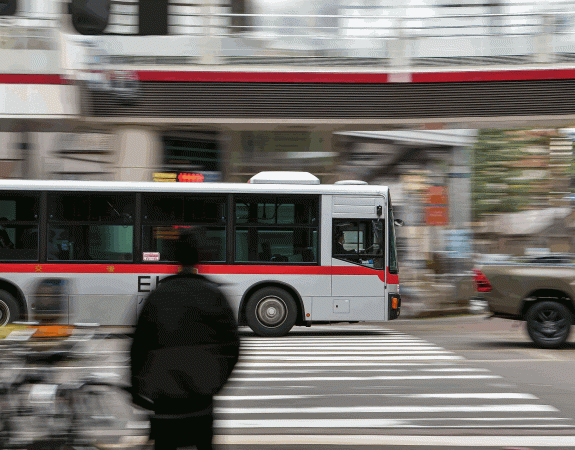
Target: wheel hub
point(4, 314)
point(271, 311)
point(549, 327)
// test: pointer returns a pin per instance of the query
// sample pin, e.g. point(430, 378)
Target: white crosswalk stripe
point(377, 378)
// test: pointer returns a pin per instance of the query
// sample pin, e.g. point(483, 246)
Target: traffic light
point(8, 7)
point(153, 18)
point(90, 17)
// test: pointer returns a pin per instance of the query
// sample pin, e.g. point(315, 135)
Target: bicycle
point(40, 410)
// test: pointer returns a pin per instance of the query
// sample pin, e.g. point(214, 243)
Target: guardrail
point(28, 33)
point(397, 36)
point(368, 34)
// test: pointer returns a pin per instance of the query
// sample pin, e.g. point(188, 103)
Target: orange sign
point(436, 215)
point(437, 195)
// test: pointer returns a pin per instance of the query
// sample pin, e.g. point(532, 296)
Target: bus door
point(358, 258)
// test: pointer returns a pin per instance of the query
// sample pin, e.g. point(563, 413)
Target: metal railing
point(392, 35)
point(398, 35)
point(28, 33)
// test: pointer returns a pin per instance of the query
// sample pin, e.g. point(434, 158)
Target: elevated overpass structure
point(339, 67)
point(221, 80)
point(343, 65)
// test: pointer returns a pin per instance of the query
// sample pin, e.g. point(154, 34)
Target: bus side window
point(18, 226)
point(277, 229)
point(164, 216)
point(90, 227)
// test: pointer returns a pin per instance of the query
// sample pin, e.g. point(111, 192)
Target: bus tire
point(271, 311)
point(9, 311)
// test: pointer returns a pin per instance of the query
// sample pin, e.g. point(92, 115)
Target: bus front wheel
point(9, 310)
point(271, 312)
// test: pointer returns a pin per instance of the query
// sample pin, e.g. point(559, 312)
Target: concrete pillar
point(231, 154)
point(140, 153)
point(544, 40)
point(211, 40)
point(460, 188)
point(339, 145)
point(399, 47)
point(229, 142)
point(460, 204)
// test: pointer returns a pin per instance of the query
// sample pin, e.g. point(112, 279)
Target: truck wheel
point(548, 324)
point(9, 311)
point(271, 312)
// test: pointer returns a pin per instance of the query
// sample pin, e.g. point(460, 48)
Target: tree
point(500, 162)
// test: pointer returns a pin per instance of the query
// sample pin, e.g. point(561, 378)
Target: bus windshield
point(393, 267)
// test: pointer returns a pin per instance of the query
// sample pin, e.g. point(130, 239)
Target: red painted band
point(359, 78)
point(262, 77)
point(19, 78)
point(315, 77)
point(219, 269)
point(392, 278)
point(495, 75)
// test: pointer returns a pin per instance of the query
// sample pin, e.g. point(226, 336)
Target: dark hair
point(187, 248)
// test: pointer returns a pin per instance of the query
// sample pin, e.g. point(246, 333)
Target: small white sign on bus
point(151, 256)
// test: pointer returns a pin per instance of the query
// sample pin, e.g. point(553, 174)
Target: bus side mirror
point(398, 222)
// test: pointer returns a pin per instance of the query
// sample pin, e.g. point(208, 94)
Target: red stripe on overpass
point(29, 78)
point(347, 77)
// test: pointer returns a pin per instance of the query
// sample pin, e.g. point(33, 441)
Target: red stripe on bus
point(219, 269)
point(392, 278)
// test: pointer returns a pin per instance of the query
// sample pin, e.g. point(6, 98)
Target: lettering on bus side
point(145, 283)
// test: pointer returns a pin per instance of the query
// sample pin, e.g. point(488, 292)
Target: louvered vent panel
point(343, 101)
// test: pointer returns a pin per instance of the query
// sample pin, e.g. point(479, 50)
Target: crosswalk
point(363, 377)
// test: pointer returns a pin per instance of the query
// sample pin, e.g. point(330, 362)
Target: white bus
point(102, 246)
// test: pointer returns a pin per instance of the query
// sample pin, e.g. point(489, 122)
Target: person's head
point(339, 237)
point(188, 247)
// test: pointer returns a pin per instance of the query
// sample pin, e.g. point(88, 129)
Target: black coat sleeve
point(227, 331)
point(144, 339)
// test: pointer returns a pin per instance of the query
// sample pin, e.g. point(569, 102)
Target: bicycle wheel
point(34, 413)
point(103, 416)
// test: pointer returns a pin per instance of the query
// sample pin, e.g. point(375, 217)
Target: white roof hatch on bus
point(280, 177)
point(351, 182)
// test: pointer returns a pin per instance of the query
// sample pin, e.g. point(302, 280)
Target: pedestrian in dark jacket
point(184, 348)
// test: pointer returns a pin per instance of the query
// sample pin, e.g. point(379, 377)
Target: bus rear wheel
point(9, 311)
point(271, 311)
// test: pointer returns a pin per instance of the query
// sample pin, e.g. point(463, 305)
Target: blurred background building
point(462, 108)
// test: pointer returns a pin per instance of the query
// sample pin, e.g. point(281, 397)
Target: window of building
point(271, 229)
point(90, 227)
point(359, 241)
point(19, 226)
point(165, 215)
point(197, 152)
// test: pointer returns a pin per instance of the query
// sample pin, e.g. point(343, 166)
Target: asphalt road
point(442, 383)
point(458, 382)
point(503, 347)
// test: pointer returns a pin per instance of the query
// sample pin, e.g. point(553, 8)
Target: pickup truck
point(540, 291)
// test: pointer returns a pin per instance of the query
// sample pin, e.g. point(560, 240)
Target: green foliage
point(497, 182)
